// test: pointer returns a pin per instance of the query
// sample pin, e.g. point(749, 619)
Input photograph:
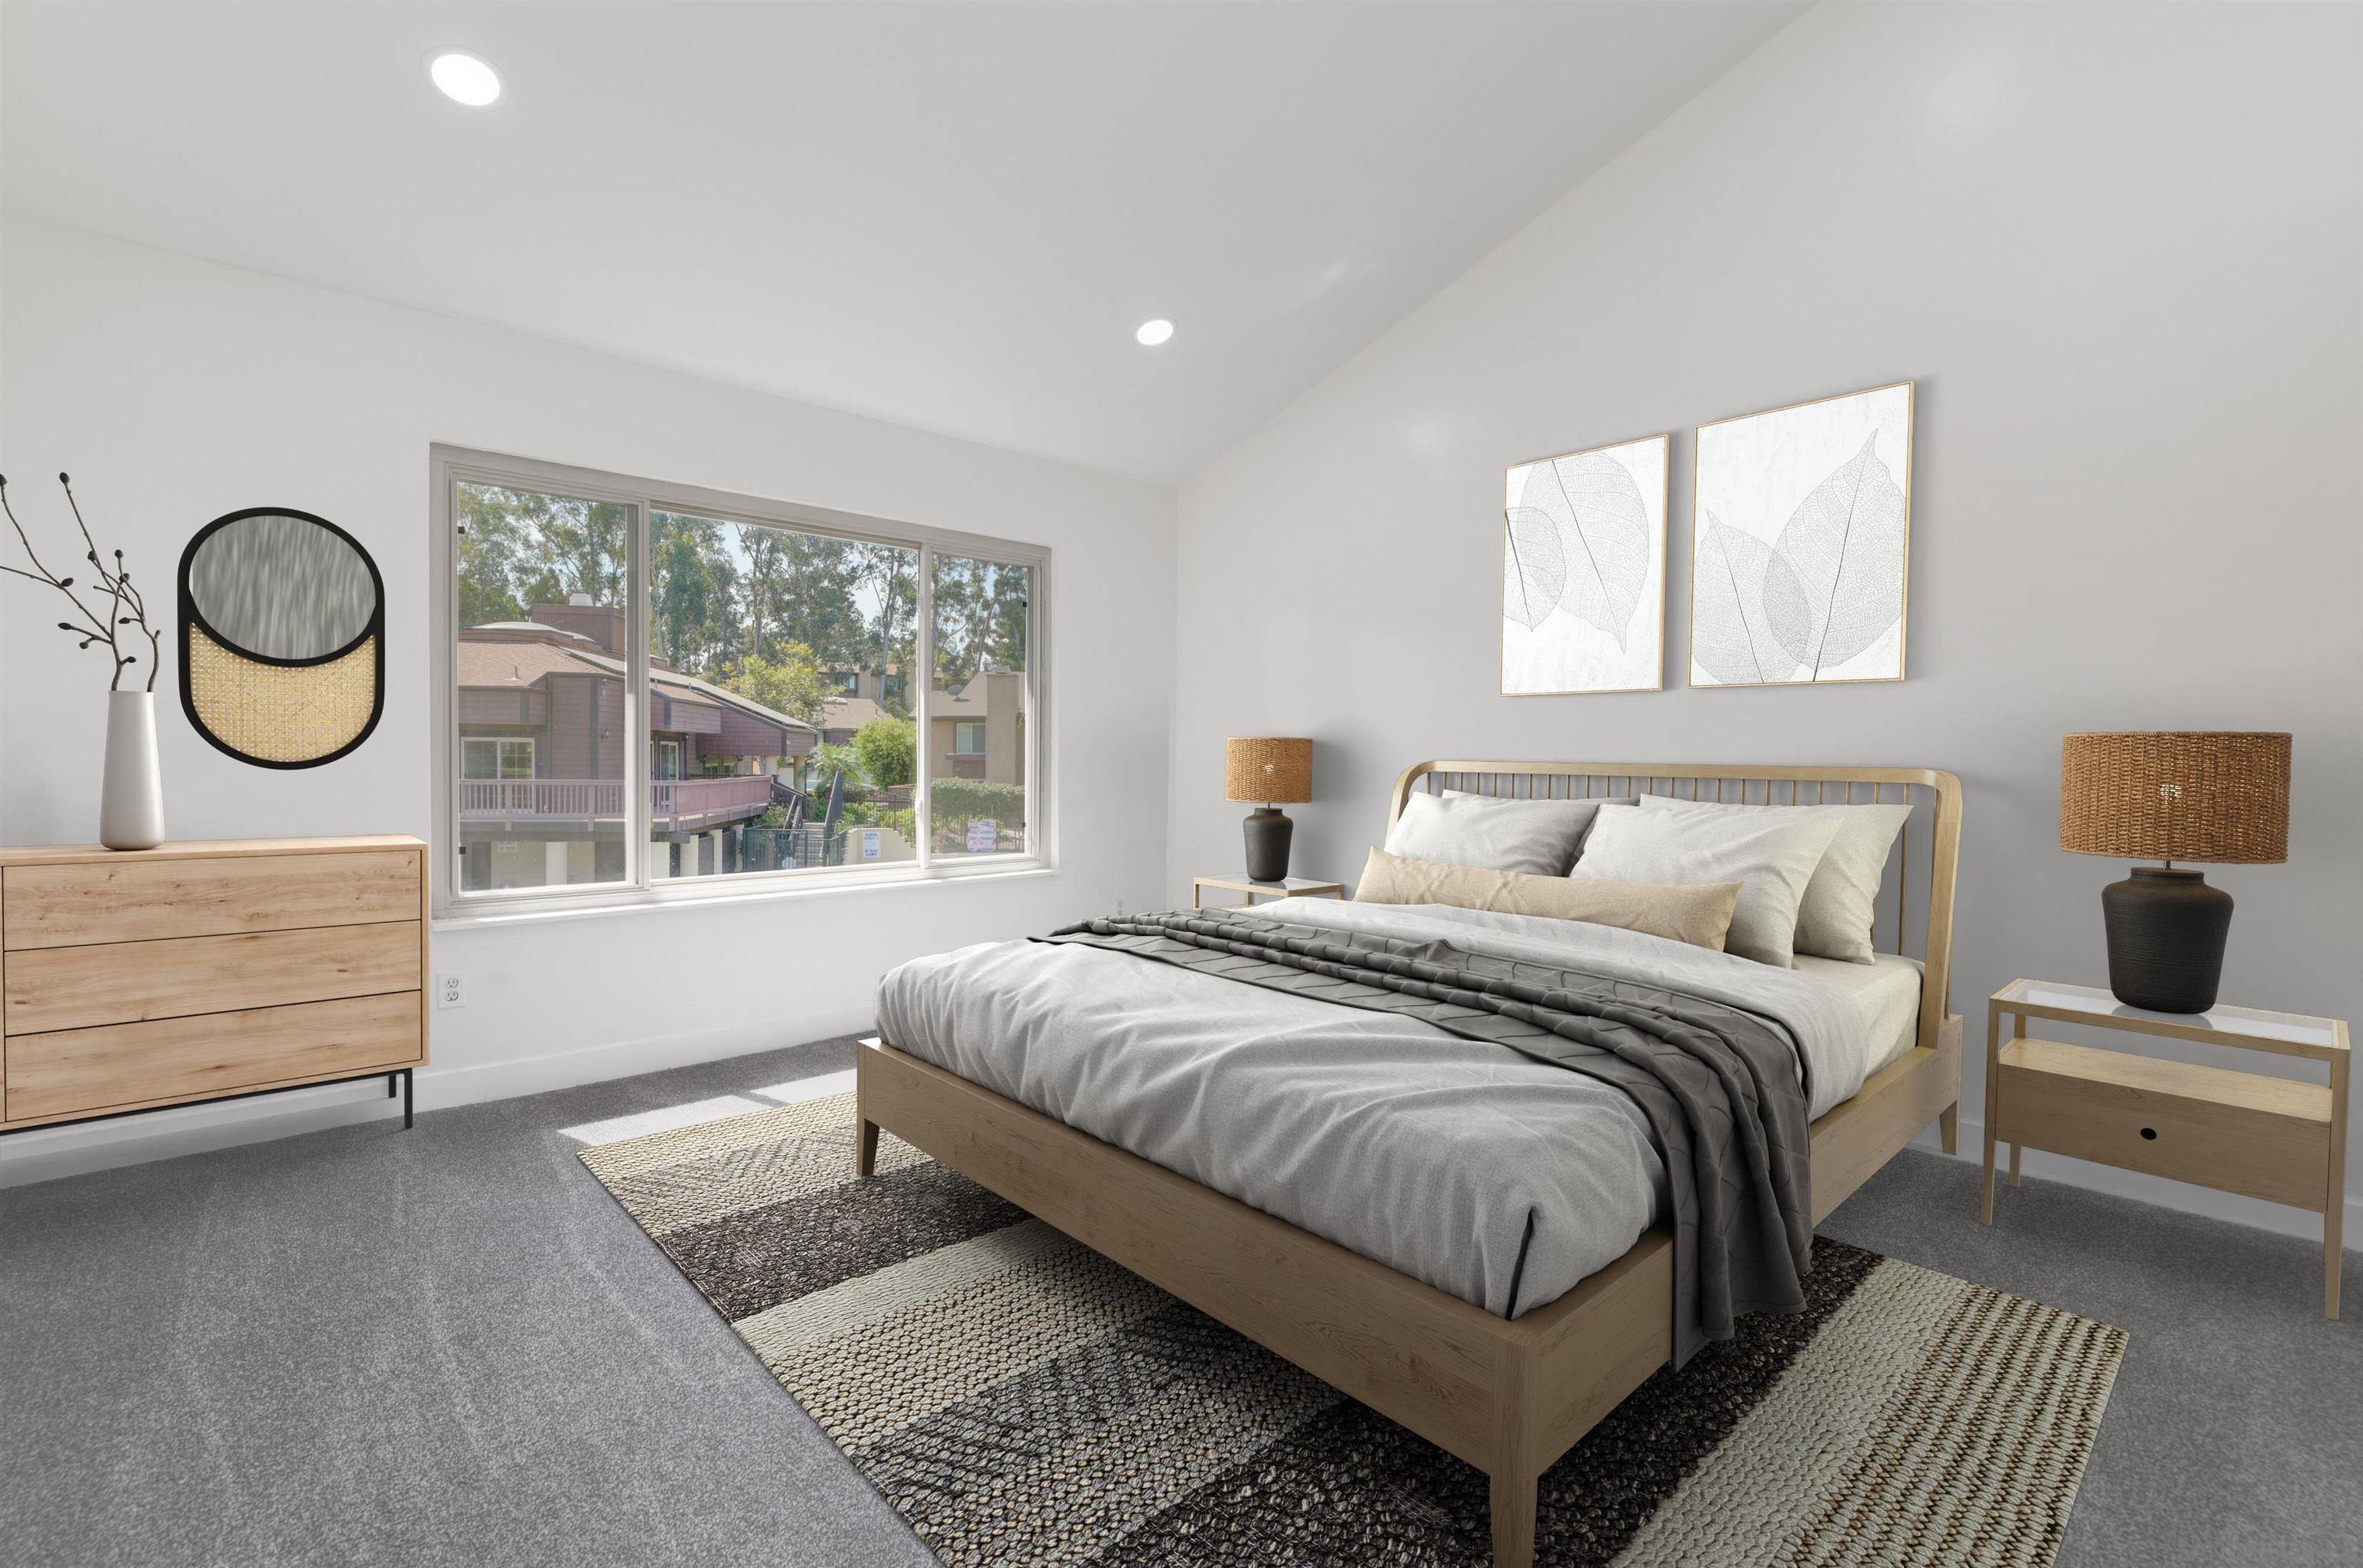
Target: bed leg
point(1948, 1128)
point(865, 1149)
point(1513, 1521)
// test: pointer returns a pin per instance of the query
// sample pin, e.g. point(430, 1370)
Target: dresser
point(130, 981)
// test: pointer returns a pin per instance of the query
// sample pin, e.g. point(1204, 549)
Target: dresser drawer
point(2244, 1132)
point(73, 905)
point(72, 1071)
point(78, 987)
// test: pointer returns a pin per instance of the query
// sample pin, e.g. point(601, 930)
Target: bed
point(1502, 1350)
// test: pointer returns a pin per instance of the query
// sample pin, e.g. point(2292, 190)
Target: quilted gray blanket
point(1718, 1085)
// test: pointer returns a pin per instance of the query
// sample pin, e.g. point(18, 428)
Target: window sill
point(759, 887)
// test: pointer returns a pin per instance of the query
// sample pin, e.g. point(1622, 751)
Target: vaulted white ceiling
point(948, 215)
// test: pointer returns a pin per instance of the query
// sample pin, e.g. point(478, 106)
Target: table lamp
point(2180, 795)
point(1269, 770)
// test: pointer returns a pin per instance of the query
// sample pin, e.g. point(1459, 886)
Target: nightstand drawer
point(2266, 1137)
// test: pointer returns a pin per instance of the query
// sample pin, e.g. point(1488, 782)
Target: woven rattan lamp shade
point(2176, 795)
point(1275, 771)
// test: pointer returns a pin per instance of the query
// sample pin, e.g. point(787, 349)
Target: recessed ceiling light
point(464, 79)
point(1153, 332)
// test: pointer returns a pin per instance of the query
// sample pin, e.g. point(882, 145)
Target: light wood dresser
point(135, 979)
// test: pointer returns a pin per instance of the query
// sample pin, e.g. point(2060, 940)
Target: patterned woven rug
point(1020, 1399)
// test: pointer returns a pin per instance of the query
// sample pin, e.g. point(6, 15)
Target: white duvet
point(1430, 1154)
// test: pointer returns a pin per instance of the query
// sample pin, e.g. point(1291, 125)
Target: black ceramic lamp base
point(1268, 833)
point(2166, 939)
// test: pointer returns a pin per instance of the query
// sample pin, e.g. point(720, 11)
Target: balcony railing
point(673, 803)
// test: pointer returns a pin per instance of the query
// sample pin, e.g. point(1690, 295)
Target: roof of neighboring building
point(536, 627)
point(506, 663)
point(849, 713)
point(501, 663)
point(968, 703)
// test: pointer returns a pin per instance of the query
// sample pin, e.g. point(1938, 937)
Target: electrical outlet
point(449, 991)
point(1119, 906)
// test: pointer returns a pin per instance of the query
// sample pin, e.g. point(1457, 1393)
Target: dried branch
point(117, 583)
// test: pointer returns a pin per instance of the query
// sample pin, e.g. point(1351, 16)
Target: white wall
point(2122, 252)
point(176, 389)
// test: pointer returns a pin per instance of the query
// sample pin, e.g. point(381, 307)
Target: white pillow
point(1538, 837)
point(1834, 919)
point(1772, 858)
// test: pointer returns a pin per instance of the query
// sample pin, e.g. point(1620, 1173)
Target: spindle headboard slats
point(1941, 800)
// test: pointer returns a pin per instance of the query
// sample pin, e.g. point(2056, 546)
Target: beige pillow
point(1695, 913)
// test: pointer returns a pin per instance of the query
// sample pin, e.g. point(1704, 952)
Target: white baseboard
point(45, 1154)
point(2190, 1199)
point(440, 1088)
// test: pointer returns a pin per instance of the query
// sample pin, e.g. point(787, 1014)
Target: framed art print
point(1583, 571)
point(1801, 527)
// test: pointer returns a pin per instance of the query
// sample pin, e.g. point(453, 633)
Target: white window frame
point(452, 466)
point(960, 727)
point(532, 763)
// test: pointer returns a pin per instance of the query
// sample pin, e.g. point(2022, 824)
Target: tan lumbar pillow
point(1695, 913)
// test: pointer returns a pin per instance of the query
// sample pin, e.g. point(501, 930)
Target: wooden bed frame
point(1509, 1397)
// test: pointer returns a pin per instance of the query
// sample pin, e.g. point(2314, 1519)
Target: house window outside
point(496, 757)
point(756, 615)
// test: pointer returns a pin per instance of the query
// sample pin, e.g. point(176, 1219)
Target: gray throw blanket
point(1719, 1087)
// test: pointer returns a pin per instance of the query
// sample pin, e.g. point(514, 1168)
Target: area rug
point(1020, 1399)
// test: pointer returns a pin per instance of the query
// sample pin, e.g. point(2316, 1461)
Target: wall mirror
point(282, 630)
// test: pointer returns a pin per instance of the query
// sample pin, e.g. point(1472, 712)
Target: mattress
point(1886, 989)
point(1498, 1178)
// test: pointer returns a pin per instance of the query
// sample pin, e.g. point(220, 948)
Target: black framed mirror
point(282, 631)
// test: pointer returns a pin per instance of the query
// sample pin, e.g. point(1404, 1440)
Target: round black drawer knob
point(2150, 1134)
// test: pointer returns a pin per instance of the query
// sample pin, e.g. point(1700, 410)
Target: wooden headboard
point(1933, 795)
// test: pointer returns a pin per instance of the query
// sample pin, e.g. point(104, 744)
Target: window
point(982, 626)
point(539, 692)
point(496, 758)
point(756, 655)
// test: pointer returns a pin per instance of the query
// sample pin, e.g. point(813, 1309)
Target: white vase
point(131, 804)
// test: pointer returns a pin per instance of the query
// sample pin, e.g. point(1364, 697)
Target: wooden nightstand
point(2268, 1137)
point(1237, 882)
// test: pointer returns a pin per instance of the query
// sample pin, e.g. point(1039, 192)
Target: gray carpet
point(450, 1346)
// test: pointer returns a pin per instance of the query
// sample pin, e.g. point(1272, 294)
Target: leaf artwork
point(1729, 637)
point(1835, 582)
point(1592, 515)
point(1536, 568)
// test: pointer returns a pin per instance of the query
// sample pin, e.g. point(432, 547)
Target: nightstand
point(1287, 887)
point(2268, 1137)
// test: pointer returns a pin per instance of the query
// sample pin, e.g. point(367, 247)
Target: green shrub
point(957, 800)
point(889, 749)
point(869, 814)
